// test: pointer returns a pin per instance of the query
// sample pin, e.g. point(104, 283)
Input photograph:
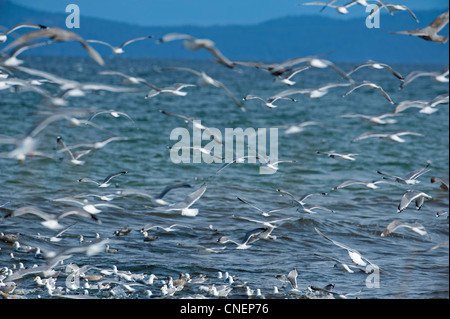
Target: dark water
point(360, 215)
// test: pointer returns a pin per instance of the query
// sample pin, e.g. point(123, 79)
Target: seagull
point(443, 185)
point(195, 44)
point(119, 50)
point(342, 9)
point(411, 178)
point(185, 205)
point(393, 226)
point(105, 182)
point(286, 79)
point(439, 76)
point(175, 90)
point(11, 59)
point(57, 35)
point(339, 157)
point(195, 124)
point(236, 160)
point(412, 195)
point(339, 264)
point(159, 198)
point(376, 66)
point(291, 278)
point(51, 221)
point(430, 32)
point(198, 148)
point(250, 237)
point(264, 213)
point(269, 226)
point(392, 7)
point(74, 159)
point(356, 257)
point(374, 119)
point(166, 229)
point(321, 90)
point(297, 128)
point(388, 136)
point(205, 80)
point(4, 35)
point(370, 85)
point(269, 102)
point(301, 200)
point(95, 145)
point(426, 107)
point(369, 184)
point(113, 113)
point(85, 205)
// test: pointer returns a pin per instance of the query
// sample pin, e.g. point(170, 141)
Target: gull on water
point(370, 85)
point(395, 136)
point(185, 205)
point(375, 66)
point(4, 35)
point(393, 226)
point(374, 119)
point(205, 80)
point(430, 32)
point(119, 50)
point(438, 76)
point(412, 195)
point(444, 186)
point(105, 182)
point(265, 213)
point(410, 178)
point(195, 44)
point(339, 157)
point(57, 35)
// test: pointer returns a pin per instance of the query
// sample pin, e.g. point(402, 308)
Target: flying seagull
point(195, 44)
point(184, 206)
point(412, 195)
point(370, 85)
point(388, 136)
point(430, 32)
point(4, 36)
point(393, 226)
point(375, 66)
point(411, 178)
point(119, 50)
point(443, 186)
point(57, 35)
point(105, 182)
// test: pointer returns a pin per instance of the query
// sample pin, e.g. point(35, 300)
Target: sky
point(200, 12)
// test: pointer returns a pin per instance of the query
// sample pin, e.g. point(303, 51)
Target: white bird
point(372, 184)
point(430, 32)
point(393, 226)
point(11, 59)
point(391, 8)
point(198, 148)
point(269, 102)
point(374, 119)
point(320, 91)
point(265, 213)
point(205, 80)
point(74, 158)
point(395, 136)
point(355, 256)
point(342, 9)
point(375, 66)
point(4, 35)
point(339, 157)
point(175, 90)
point(412, 195)
point(339, 264)
point(119, 50)
point(195, 124)
point(370, 85)
point(250, 237)
point(298, 127)
point(57, 35)
point(95, 145)
point(85, 205)
point(234, 161)
point(166, 229)
point(185, 205)
point(438, 76)
point(195, 44)
point(286, 79)
point(410, 178)
point(113, 113)
point(300, 201)
point(105, 182)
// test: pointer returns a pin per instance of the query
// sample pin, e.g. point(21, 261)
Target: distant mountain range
point(275, 40)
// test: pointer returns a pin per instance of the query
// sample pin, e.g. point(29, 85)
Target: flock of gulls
point(53, 272)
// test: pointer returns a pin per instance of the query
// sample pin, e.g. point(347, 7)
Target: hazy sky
point(202, 12)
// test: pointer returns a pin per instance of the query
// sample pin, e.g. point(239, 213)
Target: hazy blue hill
point(273, 40)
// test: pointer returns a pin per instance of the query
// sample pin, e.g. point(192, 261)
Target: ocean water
point(360, 214)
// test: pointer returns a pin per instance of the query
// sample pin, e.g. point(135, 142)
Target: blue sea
point(412, 269)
